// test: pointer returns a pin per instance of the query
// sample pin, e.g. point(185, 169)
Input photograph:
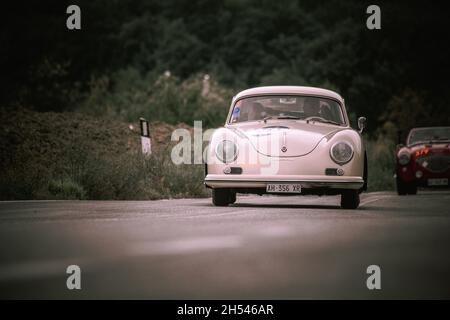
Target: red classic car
point(424, 161)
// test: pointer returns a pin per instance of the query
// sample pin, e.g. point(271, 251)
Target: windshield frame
point(340, 104)
point(408, 143)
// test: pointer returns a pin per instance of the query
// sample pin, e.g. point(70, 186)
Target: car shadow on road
point(274, 206)
point(284, 206)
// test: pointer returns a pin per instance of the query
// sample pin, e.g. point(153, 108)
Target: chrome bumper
point(308, 182)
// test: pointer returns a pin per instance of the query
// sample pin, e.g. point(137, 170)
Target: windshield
point(287, 107)
point(423, 135)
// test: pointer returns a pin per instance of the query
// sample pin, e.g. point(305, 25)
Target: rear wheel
point(404, 188)
point(350, 199)
point(401, 187)
point(412, 188)
point(223, 197)
point(365, 175)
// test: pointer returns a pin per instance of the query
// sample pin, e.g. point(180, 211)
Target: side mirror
point(361, 124)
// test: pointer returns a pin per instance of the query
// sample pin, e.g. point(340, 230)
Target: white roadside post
point(145, 137)
point(206, 85)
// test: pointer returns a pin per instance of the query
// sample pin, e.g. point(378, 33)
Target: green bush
point(380, 160)
point(23, 180)
point(74, 156)
point(126, 177)
point(66, 189)
point(128, 95)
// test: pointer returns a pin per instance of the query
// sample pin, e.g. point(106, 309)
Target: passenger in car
point(255, 111)
point(311, 107)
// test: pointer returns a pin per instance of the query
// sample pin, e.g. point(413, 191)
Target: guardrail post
point(145, 137)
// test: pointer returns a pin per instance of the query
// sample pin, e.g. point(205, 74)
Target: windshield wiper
point(325, 121)
point(280, 117)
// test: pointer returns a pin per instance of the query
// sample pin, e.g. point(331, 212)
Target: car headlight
point(341, 152)
point(403, 158)
point(226, 151)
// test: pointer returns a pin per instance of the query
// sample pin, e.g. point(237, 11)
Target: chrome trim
point(333, 184)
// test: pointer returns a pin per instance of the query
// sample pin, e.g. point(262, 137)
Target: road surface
point(260, 248)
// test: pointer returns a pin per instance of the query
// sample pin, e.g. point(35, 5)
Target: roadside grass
point(75, 156)
point(380, 160)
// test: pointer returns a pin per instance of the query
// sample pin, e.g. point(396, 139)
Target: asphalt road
point(261, 248)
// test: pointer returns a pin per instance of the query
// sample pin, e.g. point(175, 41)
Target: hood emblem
point(284, 149)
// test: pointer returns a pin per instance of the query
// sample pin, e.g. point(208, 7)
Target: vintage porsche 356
point(287, 140)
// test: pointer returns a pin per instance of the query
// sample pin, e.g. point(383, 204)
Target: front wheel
point(412, 189)
point(350, 199)
point(223, 197)
point(404, 188)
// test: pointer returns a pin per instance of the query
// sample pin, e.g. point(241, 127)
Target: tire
point(404, 188)
point(223, 197)
point(365, 175)
point(232, 197)
point(350, 199)
point(412, 188)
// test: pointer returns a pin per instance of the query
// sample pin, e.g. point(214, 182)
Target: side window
point(237, 112)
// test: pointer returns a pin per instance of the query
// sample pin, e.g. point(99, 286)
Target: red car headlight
point(403, 158)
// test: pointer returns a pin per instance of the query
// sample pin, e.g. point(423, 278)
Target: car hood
point(285, 138)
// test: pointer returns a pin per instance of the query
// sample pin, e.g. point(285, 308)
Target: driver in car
point(256, 111)
point(311, 107)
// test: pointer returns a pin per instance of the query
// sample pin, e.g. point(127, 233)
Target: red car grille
point(435, 162)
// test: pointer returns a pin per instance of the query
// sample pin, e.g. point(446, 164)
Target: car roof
point(295, 90)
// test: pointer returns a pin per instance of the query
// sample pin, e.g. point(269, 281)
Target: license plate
point(283, 188)
point(438, 182)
